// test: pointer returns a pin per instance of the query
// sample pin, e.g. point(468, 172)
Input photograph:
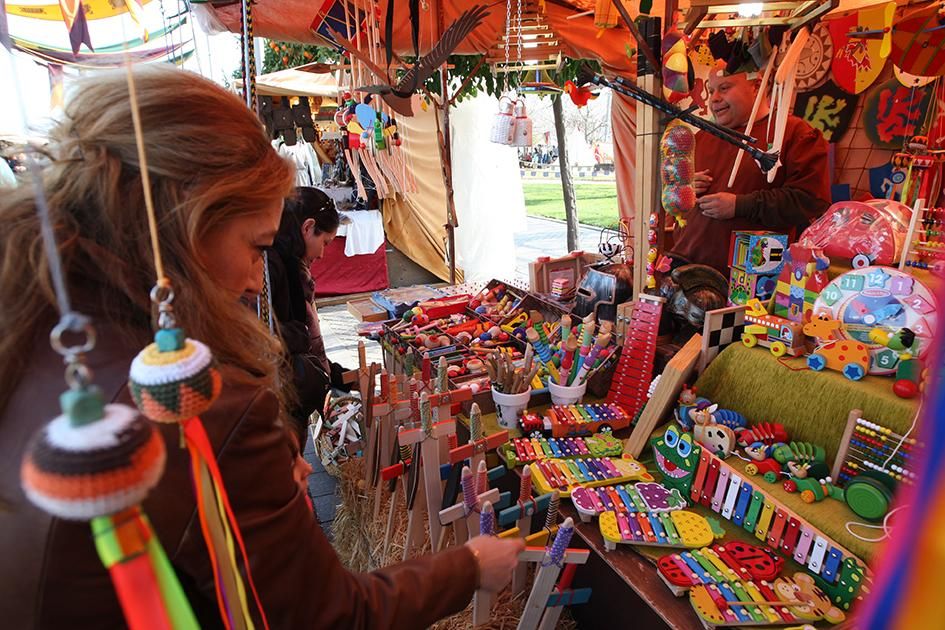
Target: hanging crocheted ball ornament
point(174, 378)
point(93, 460)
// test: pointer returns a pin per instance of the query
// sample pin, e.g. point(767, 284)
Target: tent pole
point(447, 161)
point(647, 189)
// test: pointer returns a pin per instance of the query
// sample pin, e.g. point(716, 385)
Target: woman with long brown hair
point(218, 189)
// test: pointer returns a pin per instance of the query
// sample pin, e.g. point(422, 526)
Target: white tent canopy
point(314, 79)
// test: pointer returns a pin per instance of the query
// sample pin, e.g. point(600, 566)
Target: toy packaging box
point(756, 259)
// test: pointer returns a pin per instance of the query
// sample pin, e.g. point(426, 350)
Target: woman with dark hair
point(309, 223)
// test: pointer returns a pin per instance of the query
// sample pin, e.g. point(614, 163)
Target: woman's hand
point(496, 557)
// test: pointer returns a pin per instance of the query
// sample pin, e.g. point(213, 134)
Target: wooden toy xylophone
point(719, 563)
point(635, 367)
point(721, 488)
point(585, 419)
point(566, 474)
point(526, 450)
point(679, 528)
point(629, 497)
point(739, 584)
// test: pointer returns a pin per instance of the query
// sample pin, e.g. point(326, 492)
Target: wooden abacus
point(868, 445)
point(925, 241)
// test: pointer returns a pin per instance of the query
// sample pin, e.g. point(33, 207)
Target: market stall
point(711, 443)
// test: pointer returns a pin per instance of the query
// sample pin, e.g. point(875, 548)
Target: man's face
point(731, 99)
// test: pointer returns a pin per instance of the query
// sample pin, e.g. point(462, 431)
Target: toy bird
point(902, 340)
point(398, 97)
point(579, 95)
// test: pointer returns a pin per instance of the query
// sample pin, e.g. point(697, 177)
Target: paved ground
point(547, 237)
point(543, 237)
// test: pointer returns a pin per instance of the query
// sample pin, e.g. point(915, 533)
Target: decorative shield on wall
point(917, 42)
point(827, 108)
point(910, 80)
point(814, 64)
point(857, 62)
point(894, 113)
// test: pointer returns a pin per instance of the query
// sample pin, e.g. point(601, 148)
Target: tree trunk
point(567, 186)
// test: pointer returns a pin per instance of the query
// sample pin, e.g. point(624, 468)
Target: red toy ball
point(905, 388)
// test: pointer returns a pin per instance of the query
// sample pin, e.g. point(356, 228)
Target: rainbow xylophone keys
point(575, 420)
point(680, 528)
point(566, 474)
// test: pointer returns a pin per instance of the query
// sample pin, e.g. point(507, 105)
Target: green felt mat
point(812, 406)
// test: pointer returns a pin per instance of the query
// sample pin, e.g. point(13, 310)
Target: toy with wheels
point(869, 494)
point(780, 335)
point(851, 358)
point(880, 297)
point(871, 232)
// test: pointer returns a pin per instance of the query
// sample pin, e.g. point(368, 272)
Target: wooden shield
point(910, 80)
point(814, 64)
point(917, 42)
point(857, 62)
point(827, 108)
point(894, 113)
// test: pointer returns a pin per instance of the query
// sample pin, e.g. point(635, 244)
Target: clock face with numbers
point(880, 297)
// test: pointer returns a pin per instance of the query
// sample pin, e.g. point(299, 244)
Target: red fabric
point(337, 274)
point(804, 168)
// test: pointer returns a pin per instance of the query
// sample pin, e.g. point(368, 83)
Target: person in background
point(799, 193)
point(218, 206)
point(309, 223)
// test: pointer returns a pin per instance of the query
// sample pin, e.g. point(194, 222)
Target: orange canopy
point(290, 20)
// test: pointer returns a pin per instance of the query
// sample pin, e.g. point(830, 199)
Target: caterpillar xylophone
point(635, 497)
point(738, 584)
point(525, 450)
point(574, 420)
point(564, 475)
point(708, 480)
point(679, 528)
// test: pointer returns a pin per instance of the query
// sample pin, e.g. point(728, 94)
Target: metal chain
point(508, 34)
point(519, 22)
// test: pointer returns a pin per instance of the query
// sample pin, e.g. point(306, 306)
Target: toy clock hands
point(766, 160)
point(174, 380)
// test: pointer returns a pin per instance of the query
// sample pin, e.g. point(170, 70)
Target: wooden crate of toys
point(756, 259)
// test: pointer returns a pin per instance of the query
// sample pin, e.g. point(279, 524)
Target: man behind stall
point(799, 194)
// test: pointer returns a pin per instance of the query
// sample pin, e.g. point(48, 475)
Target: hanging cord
point(77, 374)
point(161, 280)
point(887, 530)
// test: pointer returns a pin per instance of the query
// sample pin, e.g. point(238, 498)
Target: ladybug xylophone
point(738, 584)
point(525, 450)
point(566, 474)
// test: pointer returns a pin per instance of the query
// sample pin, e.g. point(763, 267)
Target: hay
point(359, 542)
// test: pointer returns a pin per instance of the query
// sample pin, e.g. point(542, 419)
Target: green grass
point(596, 203)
